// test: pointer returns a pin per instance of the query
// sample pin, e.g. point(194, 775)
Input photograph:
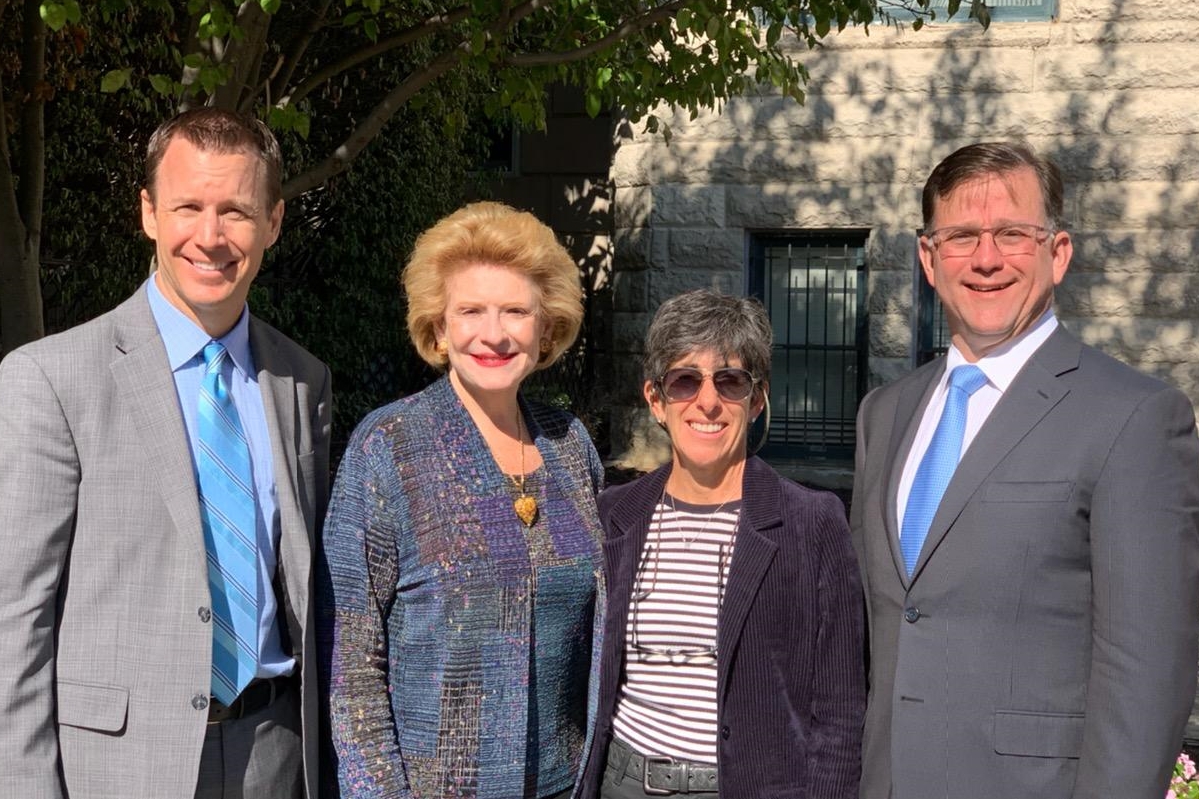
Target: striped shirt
point(667, 703)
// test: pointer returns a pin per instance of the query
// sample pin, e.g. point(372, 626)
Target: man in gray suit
point(124, 671)
point(1026, 517)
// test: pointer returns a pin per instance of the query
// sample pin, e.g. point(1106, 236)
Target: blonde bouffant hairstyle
point(494, 234)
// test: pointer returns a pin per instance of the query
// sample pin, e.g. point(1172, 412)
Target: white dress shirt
point(1001, 367)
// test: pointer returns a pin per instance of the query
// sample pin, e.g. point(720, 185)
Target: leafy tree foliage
point(331, 281)
point(353, 66)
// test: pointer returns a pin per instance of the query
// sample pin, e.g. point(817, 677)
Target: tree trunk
point(20, 297)
point(21, 197)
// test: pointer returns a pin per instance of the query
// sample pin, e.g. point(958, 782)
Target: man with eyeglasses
point(1026, 517)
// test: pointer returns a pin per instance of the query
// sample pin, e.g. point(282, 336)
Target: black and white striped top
point(667, 703)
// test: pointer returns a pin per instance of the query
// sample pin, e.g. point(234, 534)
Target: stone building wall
point(1110, 89)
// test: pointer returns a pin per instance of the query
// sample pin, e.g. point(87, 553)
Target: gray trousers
point(259, 756)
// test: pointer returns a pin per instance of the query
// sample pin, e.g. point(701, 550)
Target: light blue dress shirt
point(185, 343)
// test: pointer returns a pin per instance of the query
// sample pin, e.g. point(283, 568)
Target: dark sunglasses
point(682, 384)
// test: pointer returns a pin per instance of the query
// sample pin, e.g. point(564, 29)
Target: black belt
point(660, 775)
point(258, 695)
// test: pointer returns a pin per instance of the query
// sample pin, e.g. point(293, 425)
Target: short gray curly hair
point(707, 320)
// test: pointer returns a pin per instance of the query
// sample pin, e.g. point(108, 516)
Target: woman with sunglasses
point(732, 662)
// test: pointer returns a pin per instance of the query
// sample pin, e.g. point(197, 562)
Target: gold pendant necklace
point(524, 505)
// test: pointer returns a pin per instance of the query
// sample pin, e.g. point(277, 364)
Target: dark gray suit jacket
point(104, 648)
point(1046, 645)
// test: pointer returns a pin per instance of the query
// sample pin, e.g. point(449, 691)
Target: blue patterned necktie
point(938, 464)
point(228, 516)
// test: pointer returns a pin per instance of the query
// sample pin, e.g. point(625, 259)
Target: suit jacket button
point(200, 702)
point(205, 614)
point(910, 615)
point(725, 732)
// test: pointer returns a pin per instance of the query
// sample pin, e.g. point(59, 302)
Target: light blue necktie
point(938, 464)
point(228, 517)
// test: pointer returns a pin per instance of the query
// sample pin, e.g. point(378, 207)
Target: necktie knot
point(968, 378)
point(214, 355)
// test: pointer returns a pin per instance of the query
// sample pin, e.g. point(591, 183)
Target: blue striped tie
point(938, 464)
point(228, 516)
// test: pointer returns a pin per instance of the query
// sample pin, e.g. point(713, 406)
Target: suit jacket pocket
point(92, 707)
point(1038, 734)
point(1053, 491)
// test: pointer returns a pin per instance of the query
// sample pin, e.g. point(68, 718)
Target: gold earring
point(443, 348)
point(546, 345)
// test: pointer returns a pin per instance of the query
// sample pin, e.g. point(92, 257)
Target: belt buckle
point(221, 714)
point(665, 760)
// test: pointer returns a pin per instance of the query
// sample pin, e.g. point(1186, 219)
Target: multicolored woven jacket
point(458, 649)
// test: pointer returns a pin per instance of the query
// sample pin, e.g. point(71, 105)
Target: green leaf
point(210, 79)
point(917, 24)
point(270, 6)
point(193, 60)
point(162, 84)
point(371, 29)
point(115, 80)
point(54, 15)
point(683, 19)
point(74, 14)
point(592, 104)
point(980, 12)
point(773, 33)
point(714, 26)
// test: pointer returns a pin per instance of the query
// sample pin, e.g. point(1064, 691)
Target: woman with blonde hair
point(462, 591)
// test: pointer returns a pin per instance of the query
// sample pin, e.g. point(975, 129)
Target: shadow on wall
point(1104, 93)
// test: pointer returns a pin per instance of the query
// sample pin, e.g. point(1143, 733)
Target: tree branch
point(32, 179)
point(370, 127)
point(242, 53)
point(282, 78)
point(187, 100)
point(627, 29)
point(12, 229)
point(390, 105)
point(404, 37)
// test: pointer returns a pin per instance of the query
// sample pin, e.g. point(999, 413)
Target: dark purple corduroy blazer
point(791, 681)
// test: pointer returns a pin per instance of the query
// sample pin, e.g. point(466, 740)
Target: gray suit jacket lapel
point(909, 409)
point(1028, 399)
point(144, 381)
point(278, 389)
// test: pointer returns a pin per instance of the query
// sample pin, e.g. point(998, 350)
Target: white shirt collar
point(1002, 364)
